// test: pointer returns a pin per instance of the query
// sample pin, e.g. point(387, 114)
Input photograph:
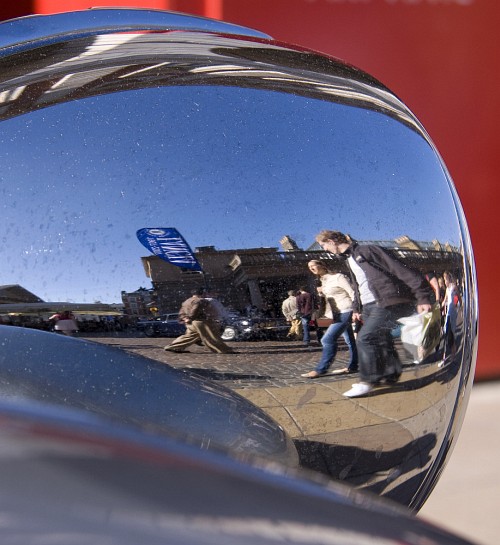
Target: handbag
point(324, 322)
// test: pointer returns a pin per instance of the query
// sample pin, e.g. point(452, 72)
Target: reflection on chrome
point(98, 63)
point(241, 144)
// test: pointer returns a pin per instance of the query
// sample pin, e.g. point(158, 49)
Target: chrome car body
point(37, 366)
point(68, 477)
point(116, 119)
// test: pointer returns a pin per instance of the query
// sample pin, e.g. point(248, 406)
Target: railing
point(304, 256)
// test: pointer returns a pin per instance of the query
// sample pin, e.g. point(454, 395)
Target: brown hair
point(336, 236)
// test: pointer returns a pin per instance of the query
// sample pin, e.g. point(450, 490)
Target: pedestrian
point(305, 309)
point(64, 322)
point(289, 310)
point(339, 296)
point(451, 304)
point(385, 290)
point(198, 315)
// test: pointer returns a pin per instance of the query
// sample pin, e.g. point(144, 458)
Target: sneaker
point(359, 389)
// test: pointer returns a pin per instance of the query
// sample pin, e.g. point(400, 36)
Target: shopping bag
point(421, 333)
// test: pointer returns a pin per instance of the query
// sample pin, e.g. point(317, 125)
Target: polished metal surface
point(38, 366)
point(68, 477)
point(19, 32)
point(241, 144)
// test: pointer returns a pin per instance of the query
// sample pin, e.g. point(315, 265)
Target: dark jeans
point(329, 341)
point(305, 327)
point(378, 358)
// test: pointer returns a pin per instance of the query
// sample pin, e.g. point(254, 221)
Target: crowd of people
point(363, 307)
point(67, 323)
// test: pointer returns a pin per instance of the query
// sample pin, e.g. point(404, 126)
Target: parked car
point(243, 328)
point(166, 325)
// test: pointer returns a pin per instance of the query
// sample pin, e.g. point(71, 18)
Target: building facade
point(261, 277)
point(139, 303)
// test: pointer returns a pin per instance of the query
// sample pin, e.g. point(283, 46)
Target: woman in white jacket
point(339, 296)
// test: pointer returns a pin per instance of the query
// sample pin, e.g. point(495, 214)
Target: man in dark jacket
point(386, 290)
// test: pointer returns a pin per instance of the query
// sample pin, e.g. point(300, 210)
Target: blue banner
point(168, 244)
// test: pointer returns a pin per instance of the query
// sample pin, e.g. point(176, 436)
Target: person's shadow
point(358, 466)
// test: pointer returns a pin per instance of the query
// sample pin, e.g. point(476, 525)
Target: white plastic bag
point(421, 333)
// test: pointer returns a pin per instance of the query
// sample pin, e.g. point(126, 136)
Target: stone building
point(139, 303)
point(239, 277)
point(261, 277)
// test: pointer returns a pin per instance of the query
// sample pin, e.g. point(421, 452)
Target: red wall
point(439, 56)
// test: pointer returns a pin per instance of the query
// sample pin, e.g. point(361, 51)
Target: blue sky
point(228, 167)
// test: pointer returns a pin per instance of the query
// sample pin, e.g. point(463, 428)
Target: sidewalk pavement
point(466, 499)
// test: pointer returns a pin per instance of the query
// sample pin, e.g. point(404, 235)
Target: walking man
point(201, 325)
point(385, 290)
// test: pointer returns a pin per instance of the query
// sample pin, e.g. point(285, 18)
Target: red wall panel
point(56, 6)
